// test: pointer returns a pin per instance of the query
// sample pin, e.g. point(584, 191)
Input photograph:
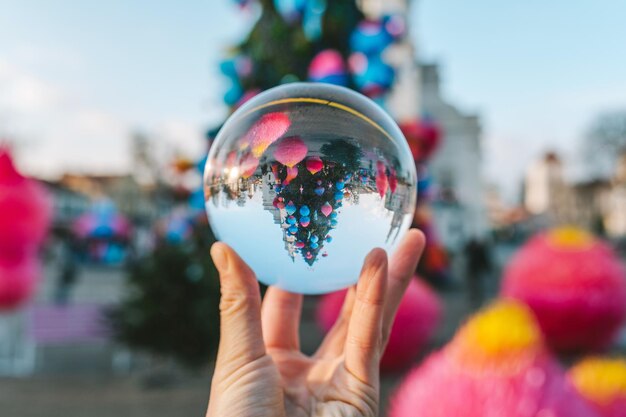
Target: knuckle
point(233, 302)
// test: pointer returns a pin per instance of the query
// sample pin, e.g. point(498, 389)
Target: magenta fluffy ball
point(575, 285)
point(416, 320)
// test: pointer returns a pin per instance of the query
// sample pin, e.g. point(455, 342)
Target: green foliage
point(281, 52)
point(172, 304)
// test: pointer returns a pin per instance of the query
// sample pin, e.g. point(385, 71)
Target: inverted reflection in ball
point(304, 180)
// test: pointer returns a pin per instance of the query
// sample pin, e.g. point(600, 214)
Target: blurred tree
point(172, 305)
point(606, 142)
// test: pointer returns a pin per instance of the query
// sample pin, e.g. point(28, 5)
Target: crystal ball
point(303, 180)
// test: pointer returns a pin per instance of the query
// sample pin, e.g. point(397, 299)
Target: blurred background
point(515, 115)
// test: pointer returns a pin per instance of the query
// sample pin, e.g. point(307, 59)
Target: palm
point(322, 387)
point(260, 370)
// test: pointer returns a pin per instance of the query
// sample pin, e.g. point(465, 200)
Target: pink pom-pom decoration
point(575, 285)
point(602, 382)
point(495, 366)
point(416, 320)
point(25, 209)
point(18, 279)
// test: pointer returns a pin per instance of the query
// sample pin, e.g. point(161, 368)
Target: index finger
point(401, 270)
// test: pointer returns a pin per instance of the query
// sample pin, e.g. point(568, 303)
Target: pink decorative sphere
point(415, 323)
point(25, 209)
point(495, 366)
point(18, 279)
point(574, 284)
point(602, 382)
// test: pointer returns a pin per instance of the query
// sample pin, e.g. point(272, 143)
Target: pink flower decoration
point(291, 151)
point(267, 130)
point(314, 164)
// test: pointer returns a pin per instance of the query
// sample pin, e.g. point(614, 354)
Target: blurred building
point(597, 204)
point(67, 203)
point(457, 166)
point(460, 211)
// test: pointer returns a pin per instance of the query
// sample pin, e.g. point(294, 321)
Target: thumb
point(241, 337)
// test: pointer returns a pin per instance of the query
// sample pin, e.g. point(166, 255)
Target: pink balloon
point(326, 209)
point(267, 130)
point(290, 151)
point(327, 62)
point(416, 320)
point(292, 172)
point(18, 279)
point(25, 208)
point(577, 293)
point(314, 164)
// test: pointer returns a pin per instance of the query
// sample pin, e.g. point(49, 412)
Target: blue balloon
point(290, 10)
point(314, 245)
point(196, 200)
point(290, 208)
point(312, 19)
point(370, 38)
point(314, 239)
point(293, 229)
point(377, 75)
point(305, 211)
point(339, 185)
point(336, 79)
point(291, 220)
point(338, 195)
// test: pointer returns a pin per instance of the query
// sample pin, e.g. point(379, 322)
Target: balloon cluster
point(25, 215)
point(308, 12)
point(235, 69)
point(104, 233)
point(496, 365)
point(368, 43)
point(574, 283)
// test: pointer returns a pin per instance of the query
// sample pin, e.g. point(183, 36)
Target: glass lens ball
point(304, 180)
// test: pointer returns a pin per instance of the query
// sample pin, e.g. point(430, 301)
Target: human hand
point(260, 370)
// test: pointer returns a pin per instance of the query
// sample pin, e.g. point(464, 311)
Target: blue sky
point(77, 76)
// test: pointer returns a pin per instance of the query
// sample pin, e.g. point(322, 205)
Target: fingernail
point(220, 258)
point(376, 257)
